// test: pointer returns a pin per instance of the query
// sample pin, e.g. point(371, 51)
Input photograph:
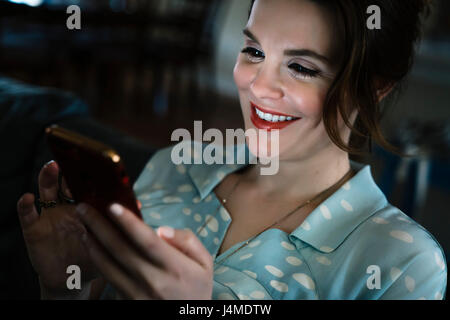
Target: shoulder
point(391, 226)
point(186, 166)
point(165, 165)
point(411, 261)
point(204, 163)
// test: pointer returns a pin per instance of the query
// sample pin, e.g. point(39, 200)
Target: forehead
point(292, 24)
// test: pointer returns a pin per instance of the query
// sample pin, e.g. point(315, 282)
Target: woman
point(319, 228)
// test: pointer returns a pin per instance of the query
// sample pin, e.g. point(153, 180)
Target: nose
point(266, 84)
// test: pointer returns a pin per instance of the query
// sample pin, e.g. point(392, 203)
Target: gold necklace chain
point(224, 200)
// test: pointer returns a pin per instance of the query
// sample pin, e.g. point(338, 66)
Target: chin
point(268, 149)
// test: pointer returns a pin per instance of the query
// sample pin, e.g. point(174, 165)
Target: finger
point(158, 251)
point(26, 209)
point(137, 231)
point(115, 244)
point(187, 242)
point(48, 181)
point(65, 188)
point(139, 204)
point(111, 271)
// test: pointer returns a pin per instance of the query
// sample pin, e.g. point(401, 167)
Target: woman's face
point(287, 69)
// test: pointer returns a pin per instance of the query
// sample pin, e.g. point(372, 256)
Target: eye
point(253, 53)
point(303, 72)
point(299, 71)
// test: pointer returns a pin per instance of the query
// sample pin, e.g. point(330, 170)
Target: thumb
point(188, 243)
point(26, 209)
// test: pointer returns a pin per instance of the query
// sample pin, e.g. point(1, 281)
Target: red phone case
point(93, 171)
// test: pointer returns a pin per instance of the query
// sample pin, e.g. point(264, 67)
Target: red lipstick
point(264, 124)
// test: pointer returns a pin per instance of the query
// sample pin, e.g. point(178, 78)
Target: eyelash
point(305, 72)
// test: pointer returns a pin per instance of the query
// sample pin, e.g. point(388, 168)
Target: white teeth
point(272, 117)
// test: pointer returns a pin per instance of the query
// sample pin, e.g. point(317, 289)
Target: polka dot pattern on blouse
point(327, 257)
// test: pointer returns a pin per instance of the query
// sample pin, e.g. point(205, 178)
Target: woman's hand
point(53, 238)
point(142, 265)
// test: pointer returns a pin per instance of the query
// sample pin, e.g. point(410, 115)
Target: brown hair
point(373, 60)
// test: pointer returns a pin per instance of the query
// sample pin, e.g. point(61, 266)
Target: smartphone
point(94, 172)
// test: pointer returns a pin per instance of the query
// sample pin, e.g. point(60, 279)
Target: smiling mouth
point(273, 117)
point(263, 119)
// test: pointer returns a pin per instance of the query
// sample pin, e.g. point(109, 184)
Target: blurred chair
point(429, 167)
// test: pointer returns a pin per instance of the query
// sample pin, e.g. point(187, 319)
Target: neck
point(301, 179)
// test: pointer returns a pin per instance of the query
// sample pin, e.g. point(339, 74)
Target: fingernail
point(166, 232)
point(49, 163)
point(116, 209)
point(22, 206)
point(81, 208)
point(22, 209)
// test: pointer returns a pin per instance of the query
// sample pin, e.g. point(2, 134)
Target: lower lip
point(267, 125)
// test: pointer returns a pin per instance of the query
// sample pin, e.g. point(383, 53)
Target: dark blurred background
point(147, 67)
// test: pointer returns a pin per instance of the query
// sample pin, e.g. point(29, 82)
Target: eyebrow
point(292, 52)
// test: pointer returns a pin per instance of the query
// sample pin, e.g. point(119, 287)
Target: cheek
point(243, 75)
point(309, 100)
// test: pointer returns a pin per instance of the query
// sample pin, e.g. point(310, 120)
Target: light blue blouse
point(354, 245)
